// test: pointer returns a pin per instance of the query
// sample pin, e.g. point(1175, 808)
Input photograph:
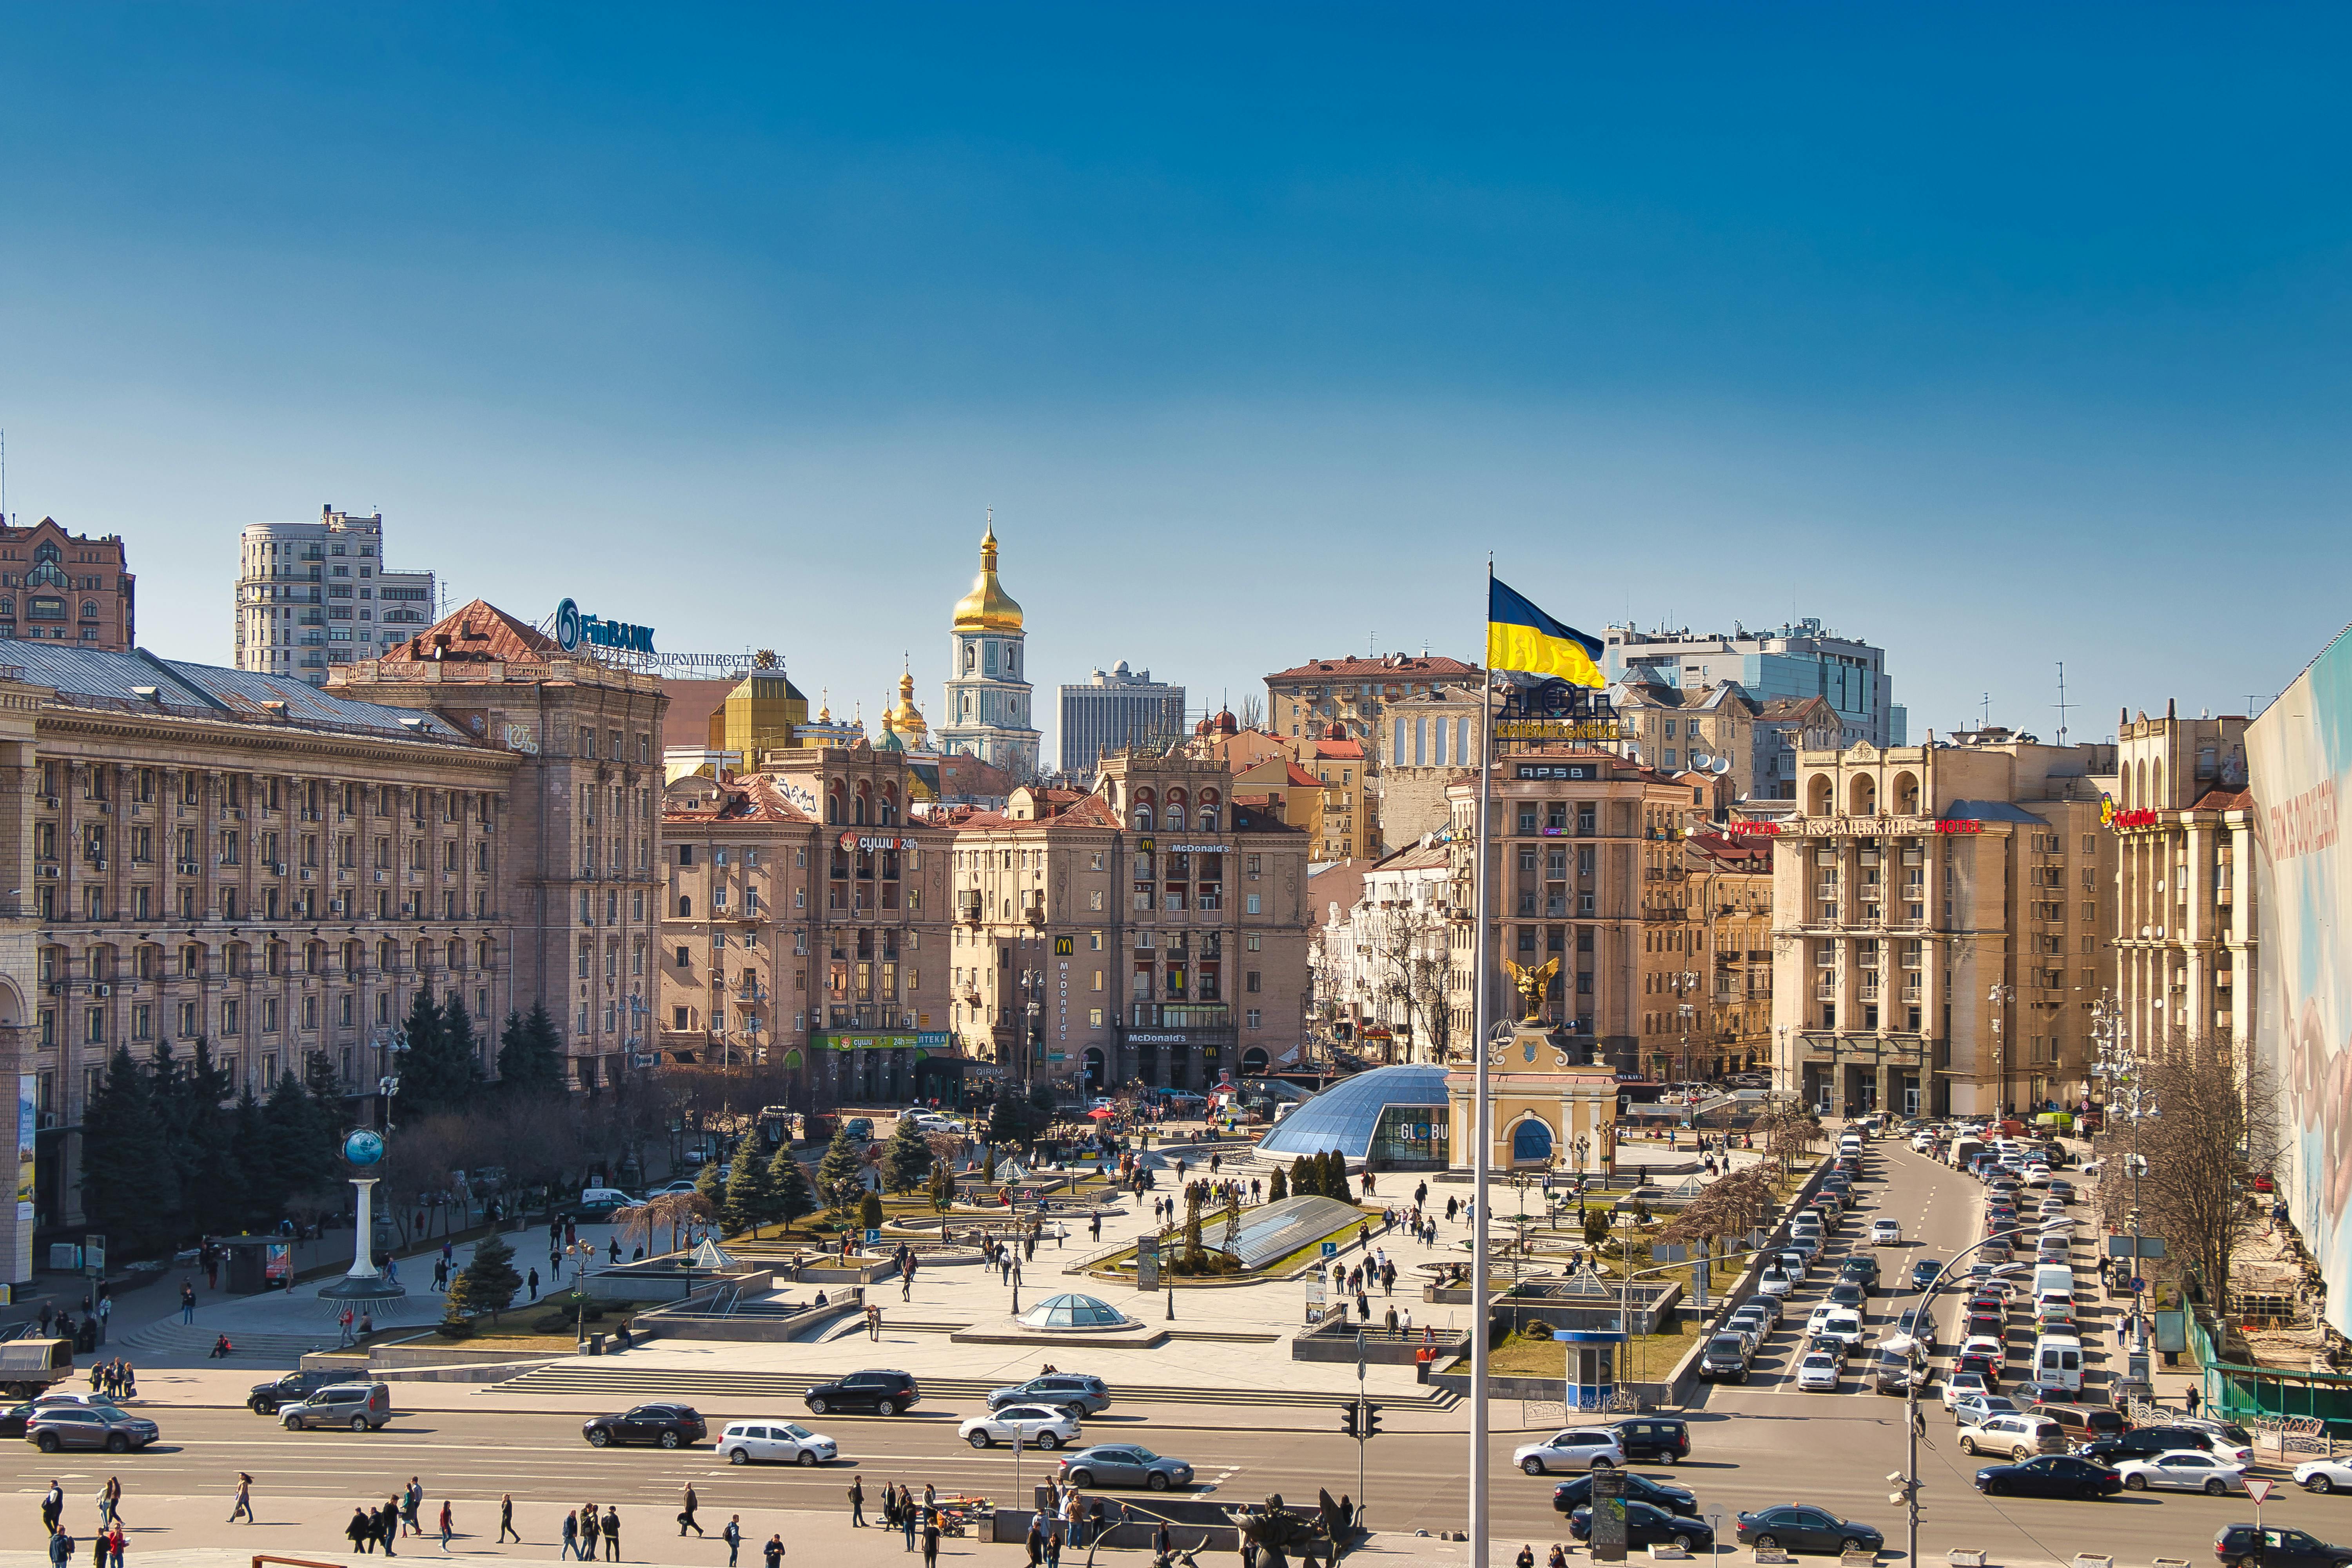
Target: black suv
point(291, 1389)
point(885, 1392)
point(1724, 1360)
point(670, 1425)
point(2243, 1543)
point(1654, 1437)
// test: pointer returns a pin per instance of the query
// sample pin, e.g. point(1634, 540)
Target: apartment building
point(1151, 930)
point(1586, 865)
point(222, 855)
point(579, 738)
point(1799, 659)
point(314, 596)
point(1730, 881)
point(1942, 916)
point(1113, 710)
point(1425, 741)
point(1383, 967)
point(805, 924)
point(56, 587)
point(1698, 729)
point(2183, 822)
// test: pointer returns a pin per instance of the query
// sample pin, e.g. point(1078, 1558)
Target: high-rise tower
point(988, 695)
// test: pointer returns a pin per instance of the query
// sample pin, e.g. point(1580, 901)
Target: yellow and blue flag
point(1523, 639)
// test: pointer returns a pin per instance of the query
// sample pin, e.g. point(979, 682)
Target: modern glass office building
point(1390, 1118)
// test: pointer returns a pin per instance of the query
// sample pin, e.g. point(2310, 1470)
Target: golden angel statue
point(1532, 984)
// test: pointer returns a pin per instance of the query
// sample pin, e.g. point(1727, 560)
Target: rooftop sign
point(573, 628)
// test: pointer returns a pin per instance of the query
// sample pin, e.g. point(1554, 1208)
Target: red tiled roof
point(2225, 800)
point(1340, 751)
point(479, 631)
point(1423, 667)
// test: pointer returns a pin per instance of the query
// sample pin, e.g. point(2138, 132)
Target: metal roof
point(1345, 1116)
point(138, 681)
point(1276, 1230)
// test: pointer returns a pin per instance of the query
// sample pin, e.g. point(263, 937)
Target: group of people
point(114, 1379)
point(1071, 1520)
point(87, 1331)
point(376, 1529)
point(106, 1542)
point(918, 1520)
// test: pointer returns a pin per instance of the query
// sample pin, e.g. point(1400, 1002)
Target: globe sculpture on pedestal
point(362, 1283)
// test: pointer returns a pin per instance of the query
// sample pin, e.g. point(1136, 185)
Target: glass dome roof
point(1344, 1116)
point(1074, 1312)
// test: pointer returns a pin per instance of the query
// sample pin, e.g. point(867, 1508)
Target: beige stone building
point(805, 924)
point(1151, 930)
point(581, 739)
point(1329, 700)
point(1942, 917)
point(1730, 881)
point(1426, 741)
point(1290, 794)
point(239, 858)
point(19, 943)
point(1587, 867)
point(2185, 918)
point(1702, 730)
point(1783, 727)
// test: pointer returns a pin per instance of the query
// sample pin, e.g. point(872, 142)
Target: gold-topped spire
point(988, 608)
point(907, 719)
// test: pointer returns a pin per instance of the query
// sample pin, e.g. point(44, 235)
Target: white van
point(2053, 1279)
point(2058, 1362)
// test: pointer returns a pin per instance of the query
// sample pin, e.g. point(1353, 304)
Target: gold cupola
point(988, 608)
point(907, 719)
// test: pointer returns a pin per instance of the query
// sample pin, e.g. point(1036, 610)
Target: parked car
point(1572, 1448)
point(668, 1426)
point(1976, 1409)
point(2312, 1475)
point(771, 1441)
point(2237, 1544)
point(1074, 1393)
point(1646, 1524)
point(881, 1390)
point(54, 1426)
point(1798, 1527)
point(293, 1387)
point(667, 1188)
point(1654, 1437)
point(1031, 1426)
point(2185, 1470)
point(1125, 1465)
point(2018, 1435)
point(2050, 1475)
point(1571, 1495)
point(361, 1406)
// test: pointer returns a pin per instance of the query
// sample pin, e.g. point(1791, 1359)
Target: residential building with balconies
point(314, 596)
point(56, 587)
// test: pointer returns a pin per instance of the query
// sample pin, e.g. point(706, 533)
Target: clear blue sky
point(1996, 335)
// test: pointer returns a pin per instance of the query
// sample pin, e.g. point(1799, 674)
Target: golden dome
point(988, 608)
point(907, 719)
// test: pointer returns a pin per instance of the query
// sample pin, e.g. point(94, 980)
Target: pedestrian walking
point(61, 1547)
point(412, 1498)
point(506, 1520)
point(930, 1539)
point(187, 1306)
point(244, 1499)
point(110, 1498)
point(857, 1502)
point(685, 1512)
point(907, 1512)
point(571, 1533)
point(387, 1525)
point(445, 1524)
point(733, 1536)
point(612, 1534)
point(2191, 1398)
point(115, 1543)
point(775, 1551)
point(1527, 1557)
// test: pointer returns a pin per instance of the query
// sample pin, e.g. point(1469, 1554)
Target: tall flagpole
point(1481, 1118)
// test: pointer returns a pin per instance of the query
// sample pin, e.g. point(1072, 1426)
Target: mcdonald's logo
point(1062, 946)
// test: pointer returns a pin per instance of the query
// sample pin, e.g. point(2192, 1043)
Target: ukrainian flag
point(1522, 638)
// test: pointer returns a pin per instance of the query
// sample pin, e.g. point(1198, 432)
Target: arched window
point(456, 954)
point(1205, 819)
point(858, 811)
point(684, 907)
point(1819, 794)
point(1142, 817)
point(1175, 822)
point(90, 609)
point(970, 654)
point(1862, 795)
point(889, 806)
point(832, 805)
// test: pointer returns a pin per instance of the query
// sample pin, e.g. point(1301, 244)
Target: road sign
point(2137, 1284)
point(2258, 1490)
point(1330, 1249)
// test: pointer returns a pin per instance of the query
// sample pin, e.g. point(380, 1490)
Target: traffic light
point(1372, 1419)
point(1347, 1420)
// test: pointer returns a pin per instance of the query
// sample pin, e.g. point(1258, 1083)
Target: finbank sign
point(573, 628)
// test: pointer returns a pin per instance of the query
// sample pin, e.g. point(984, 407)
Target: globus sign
point(573, 628)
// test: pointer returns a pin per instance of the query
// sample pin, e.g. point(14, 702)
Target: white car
point(1885, 1233)
point(1963, 1384)
point(1792, 1263)
point(1818, 1373)
point(2184, 1469)
point(1983, 1345)
point(1774, 1282)
point(1032, 1426)
point(1576, 1448)
point(1976, 1409)
point(2324, 1475)
point(2037, 1175)
point(772, 1441)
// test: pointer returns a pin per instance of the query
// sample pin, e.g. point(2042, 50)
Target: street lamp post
point(2000, 996)
point(2127, 1095)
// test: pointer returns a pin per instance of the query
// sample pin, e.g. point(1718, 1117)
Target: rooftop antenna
point(2062, 704)
point(1986, 722)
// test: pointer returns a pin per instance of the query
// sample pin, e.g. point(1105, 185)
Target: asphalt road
point(1756, 1444)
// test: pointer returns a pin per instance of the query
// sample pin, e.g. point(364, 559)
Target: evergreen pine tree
point(121, 1162)
point(1335, 1175)
point(531, 1055)
point(751, 1201)
point(1302, 1176)
point(291, 1131)
point(218, 1193)
point(712, 1186)
point(908, 1160)
point(174, 1159)
point(489, 1278)
point(870, 1212)
point(944, 1186)
point(438, 1071)
point(1276, 1188)
point(261, 1195)
point(794, 1198)
point(836, 1174)
point(330, 1119)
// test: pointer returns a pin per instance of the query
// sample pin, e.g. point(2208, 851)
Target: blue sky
point(1995, 335)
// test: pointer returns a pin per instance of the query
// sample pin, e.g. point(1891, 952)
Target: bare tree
point(1253, 713)
point(677, 1211)
point(1409, 966)
point(2209, 1124)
